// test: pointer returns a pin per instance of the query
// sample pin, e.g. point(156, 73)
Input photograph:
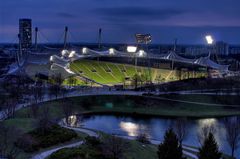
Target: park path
point(187, 150)
point(45, 154)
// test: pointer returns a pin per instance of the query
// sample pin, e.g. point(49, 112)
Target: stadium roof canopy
point(203, 61)
point(206, 61)
point(172, 56)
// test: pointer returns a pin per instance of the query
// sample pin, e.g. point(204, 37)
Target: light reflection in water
point(129, 127)
point(73, 121)
point(132, 129)
point(153, 127)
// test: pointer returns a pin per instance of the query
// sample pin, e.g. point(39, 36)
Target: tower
point(25, 33)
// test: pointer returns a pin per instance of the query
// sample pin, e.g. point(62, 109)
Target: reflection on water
point(153, 127)
point(132, 129)
point(73, 121)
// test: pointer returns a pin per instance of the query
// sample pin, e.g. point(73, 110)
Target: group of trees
point(7, 148)
point(138, 80)
point(174, 137)
point(15, 87)
point(172, 148)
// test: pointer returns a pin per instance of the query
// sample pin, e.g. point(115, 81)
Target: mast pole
point(65, 37)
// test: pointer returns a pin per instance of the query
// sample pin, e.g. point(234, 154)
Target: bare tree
point(7, 148)
point(58, 79)
point(67, 108)
point(115, 147)
point(135, 80)
point(44, 121)
point(180, 128)
point(232, 126)
point(72, 81)
point(9, 107)
point(63, 91)
point(54, 90)
point(37, 92)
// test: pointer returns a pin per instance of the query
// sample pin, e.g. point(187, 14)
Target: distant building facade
point(25, 33)
point(235, 49)
point(222, 48)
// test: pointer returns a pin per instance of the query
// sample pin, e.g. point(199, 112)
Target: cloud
point(66, 15)
point(128, 14)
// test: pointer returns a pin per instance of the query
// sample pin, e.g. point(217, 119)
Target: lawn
point(140, 105)
point(113, 73)
point(125, 105)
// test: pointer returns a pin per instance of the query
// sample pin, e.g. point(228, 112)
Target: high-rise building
point(222, 48)
point(25, 33)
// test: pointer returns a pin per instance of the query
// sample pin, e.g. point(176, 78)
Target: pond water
point(153, 127)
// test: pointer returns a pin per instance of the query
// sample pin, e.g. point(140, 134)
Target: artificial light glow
point(72, 54)
point(209, 39)
point(51, 58)
point(111, 51)
point(131, 49)
point(130, 128)
point(141, 53)
point(71, 120)
point(64, 52)
point(84, 50)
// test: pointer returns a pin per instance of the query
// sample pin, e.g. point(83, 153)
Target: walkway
point(186, 150)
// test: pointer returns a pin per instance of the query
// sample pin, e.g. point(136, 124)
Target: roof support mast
point(19, 52)
point(36, 37)
point(99, 38)
point(65, 37)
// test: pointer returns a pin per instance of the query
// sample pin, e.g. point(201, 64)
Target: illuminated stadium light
point(131, 49)
point(51, 58)
point(84, 50)
point(64, 52)
point(111, 51)
point(209, 39)
point(141, 53)
point(72, 53)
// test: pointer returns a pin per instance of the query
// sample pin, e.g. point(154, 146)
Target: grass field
point(112, 73)
point(109, 73)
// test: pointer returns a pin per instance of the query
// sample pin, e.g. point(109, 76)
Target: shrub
point(92, 141)
point(143, 138)
point(53, 136)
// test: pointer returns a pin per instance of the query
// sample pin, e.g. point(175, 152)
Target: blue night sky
point(187, 20)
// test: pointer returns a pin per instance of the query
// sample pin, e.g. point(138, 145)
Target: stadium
point(113, 67)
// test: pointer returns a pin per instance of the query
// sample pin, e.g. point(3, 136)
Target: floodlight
point(51, 58)
point(111, 51)
point(72, 53)
point(84, 50)
point(64, 52)
point(141, 53)
point(131, 49)
point(209, 39)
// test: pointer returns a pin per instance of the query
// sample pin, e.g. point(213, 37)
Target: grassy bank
point(133, 105)
point(141, 106)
